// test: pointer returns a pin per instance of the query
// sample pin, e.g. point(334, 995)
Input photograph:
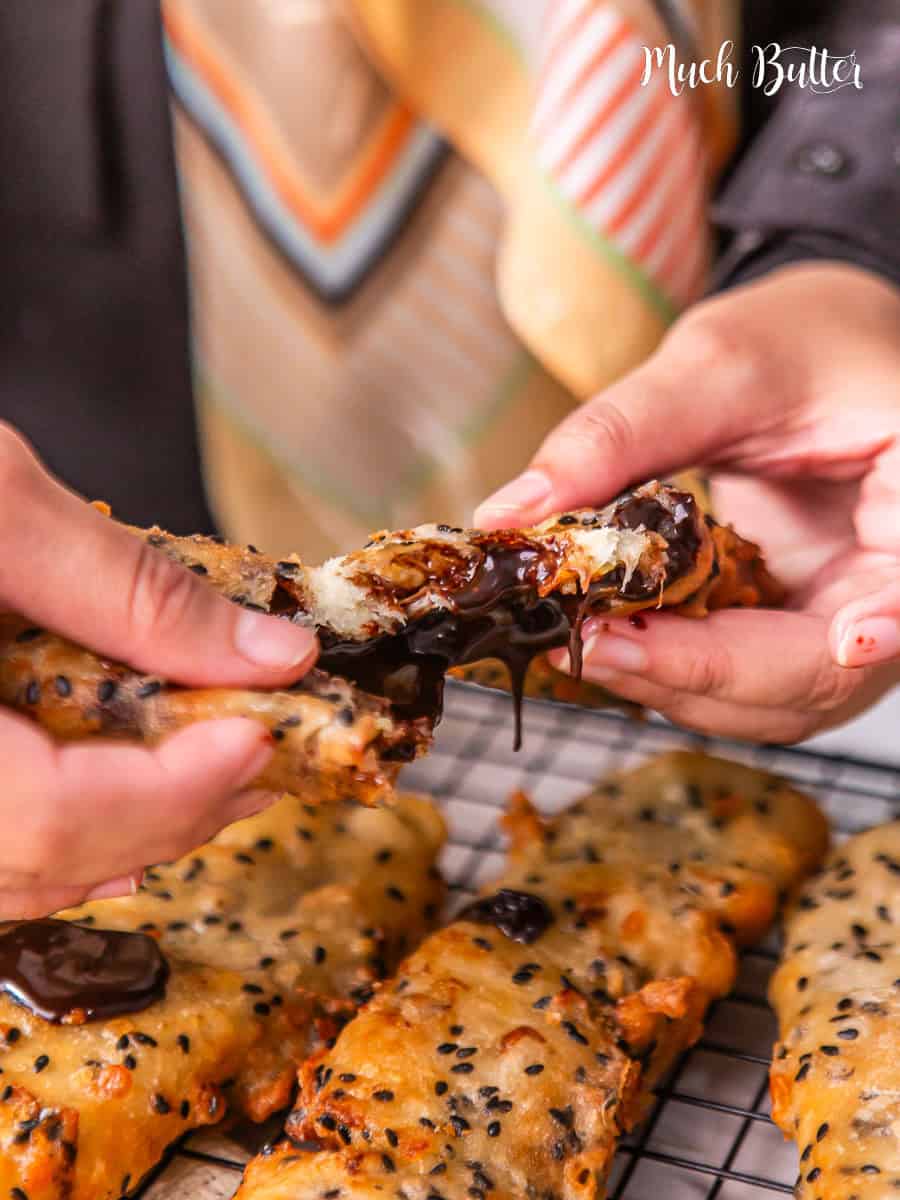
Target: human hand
point(82, 821)
point(787, 392)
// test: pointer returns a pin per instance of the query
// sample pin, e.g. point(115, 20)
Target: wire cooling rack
point(709, 1136)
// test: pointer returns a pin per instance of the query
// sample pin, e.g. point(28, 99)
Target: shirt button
point(821, 158)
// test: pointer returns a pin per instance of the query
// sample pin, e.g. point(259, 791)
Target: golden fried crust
point(326, 731)
point(274, 933)
point(836, 1071)
point(512, 1068)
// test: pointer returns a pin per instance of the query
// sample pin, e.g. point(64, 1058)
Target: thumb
point(67, 567)
point(866, 633)
point(697, 395)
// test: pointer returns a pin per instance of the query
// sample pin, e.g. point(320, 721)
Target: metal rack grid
point(709, 1135)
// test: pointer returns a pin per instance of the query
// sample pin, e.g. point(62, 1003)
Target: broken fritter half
point(198, 996)
point(514, 1048)
point(836, 1071)
point(392, 619)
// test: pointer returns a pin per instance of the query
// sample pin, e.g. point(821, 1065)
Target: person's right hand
point(81, 821)
point(787, 391)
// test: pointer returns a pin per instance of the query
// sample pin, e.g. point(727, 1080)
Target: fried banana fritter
point(274, 932)
point(392, 619)
point(516, 1046)
point(836, 1071)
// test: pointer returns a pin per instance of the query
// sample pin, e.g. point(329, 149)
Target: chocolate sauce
point(56, 968)
point(498, 614)
point(520, 915)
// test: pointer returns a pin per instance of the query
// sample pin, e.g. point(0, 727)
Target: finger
point(866, 633)
point(82, 575)
point(81, 811)
point(716, 718)
point(26, 905)
point(114, 889)
point(878, 514)
point(663, 417)
point(742, 657)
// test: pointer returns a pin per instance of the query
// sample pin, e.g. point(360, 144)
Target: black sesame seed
point(870, 1169)
point(802, 1073)
point(493, 1130)
point(463, 1068)
point(184, 1043)
point(123, 1042)
point(440, 1087)
point(466, 1051)
point(41, 1062)
point(392, 1138)
point(574, 1033)
point(534, 1069)
point(849, 1035)
point(831, 1051)
point(106, 690)
point(388, 1163)
point(822, 1132)
point(394, 893)
point(320, 954)
point(261, 1009)
point(129, 1062)
point(814, 1175)
point(33, 692)
point(460, 1125)
point(150, 688)
point(383, 1094)
point(448, 1047)
point(161, 1104)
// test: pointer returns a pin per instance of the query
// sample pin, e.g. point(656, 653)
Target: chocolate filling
point(498, 614)
point(57, 969)
point(520, 915)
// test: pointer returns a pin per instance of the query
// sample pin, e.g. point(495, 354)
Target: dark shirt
point(818, 176)
point(94, 331)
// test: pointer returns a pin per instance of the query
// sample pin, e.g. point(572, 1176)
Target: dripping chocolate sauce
point(498, 615)
point(62, 971)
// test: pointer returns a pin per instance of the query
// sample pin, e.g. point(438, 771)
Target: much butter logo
point(774, 66)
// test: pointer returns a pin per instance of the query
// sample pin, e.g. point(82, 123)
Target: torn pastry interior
point(392, 619)
point(227, 968)
point(395, 616)
point(836, 1071)
point(516, 1046)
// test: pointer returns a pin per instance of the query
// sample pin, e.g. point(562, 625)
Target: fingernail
point(869, 642)
point(272, 641)
point(615, 653)
point(530, 489)
point(125, 885)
